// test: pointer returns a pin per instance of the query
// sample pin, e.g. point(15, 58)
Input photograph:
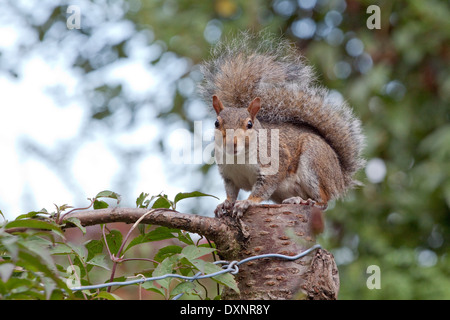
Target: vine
point(37, 261)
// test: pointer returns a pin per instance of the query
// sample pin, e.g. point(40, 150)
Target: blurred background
point(108, 105)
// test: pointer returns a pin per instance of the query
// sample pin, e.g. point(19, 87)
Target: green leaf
point(167, 252)
point(164, 268)
point(99, 261)
point(39, 247)
point(77, 223)
point(195, 194)
point(208, 245)
point(114, 241)
point(150, 286)
point(193, 252)
point(93, 247)
point(31, 214)
point(79, 250)
point(34, 262)
point(49, 287)
point(183, 287)
point(140, 200)
point(34, 224)
point(162, 202)
point(199, 264)
point(185, 237)
point(63, 207)
point(61, 249)
point(6, 270)
point(106, 194)
point(141, 228)
point(107, 296)
point(137, 240)
point(99, 204)
point(109, 194)
point(10, 243)
point(160, 233)
point(72, 276)
point(226, 279)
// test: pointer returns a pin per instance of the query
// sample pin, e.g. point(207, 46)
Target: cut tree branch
point(213, 229)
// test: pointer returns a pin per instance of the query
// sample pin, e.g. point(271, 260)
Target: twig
point(60, 218)
point(119, 259)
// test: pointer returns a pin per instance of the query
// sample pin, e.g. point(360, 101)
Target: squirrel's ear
point(254, 107)
point(217, 104)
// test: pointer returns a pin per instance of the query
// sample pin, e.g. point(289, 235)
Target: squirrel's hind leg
point(299, 200)
point(309, 202)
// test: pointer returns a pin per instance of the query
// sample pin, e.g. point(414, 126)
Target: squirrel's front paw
point(240, 207)
point(223, 208)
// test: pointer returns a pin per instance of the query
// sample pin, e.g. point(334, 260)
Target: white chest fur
point(243, 175)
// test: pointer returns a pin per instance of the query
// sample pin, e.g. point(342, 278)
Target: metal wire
point(231, 267)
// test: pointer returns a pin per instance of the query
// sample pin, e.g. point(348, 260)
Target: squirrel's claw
point(309, 202)
point(236, 209)
point(223, 208)
point(299, 200)
point(240, 207)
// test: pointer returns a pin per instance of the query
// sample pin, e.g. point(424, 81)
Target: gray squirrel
point(259, 83)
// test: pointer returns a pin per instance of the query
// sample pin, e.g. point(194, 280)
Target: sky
point(50, 156)
point(28, 112)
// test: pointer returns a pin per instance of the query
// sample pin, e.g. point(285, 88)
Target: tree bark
point(285, 229)
point(288, 230)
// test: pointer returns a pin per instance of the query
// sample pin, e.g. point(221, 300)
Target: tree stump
point(284, 229)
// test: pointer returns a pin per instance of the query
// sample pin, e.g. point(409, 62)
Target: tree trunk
point(288, 230)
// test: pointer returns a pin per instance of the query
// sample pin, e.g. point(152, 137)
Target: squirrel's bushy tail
point(250, 66)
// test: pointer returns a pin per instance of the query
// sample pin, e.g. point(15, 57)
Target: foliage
point(37, 261)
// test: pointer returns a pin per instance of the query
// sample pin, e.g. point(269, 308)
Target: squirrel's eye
point(249, 124)
point(216, 123)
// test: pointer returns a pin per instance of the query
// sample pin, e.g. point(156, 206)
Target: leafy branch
point(35, 244)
